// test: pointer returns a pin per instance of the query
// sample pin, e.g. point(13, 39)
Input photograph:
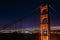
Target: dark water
point(18, 36)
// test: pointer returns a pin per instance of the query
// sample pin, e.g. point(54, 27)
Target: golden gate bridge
point(44, 22)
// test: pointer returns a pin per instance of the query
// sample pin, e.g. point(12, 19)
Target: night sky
point(25, 13)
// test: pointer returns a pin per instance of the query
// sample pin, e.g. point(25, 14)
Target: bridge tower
point(44, 22)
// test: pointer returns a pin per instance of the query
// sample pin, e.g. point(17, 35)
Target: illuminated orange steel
point(44, 27)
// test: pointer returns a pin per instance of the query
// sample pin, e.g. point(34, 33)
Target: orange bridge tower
point(44, 22)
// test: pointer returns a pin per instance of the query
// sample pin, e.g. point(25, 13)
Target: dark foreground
point(18, 36)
